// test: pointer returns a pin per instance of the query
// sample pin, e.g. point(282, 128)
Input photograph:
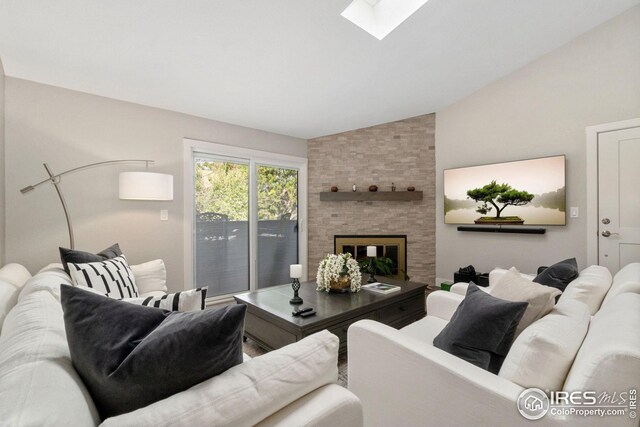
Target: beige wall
point(67, 129)
point(401, 152)
point(2, 157)
point(540, 110)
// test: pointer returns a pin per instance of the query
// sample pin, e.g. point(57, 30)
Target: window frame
point(253, 158)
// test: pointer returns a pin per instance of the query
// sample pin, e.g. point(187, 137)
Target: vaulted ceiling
point(294, 67)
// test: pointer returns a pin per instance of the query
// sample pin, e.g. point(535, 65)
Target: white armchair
point(403, 380)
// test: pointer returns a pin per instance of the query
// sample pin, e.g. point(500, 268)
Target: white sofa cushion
point(56, 268)
point(48, 279)
point(625, 280)
point(150, 276)
point(38, 384)
point(496, 274)
point(543, 353)
point(609, 359)
point(590, 287)
point(513, 287)
point(330, 405)
point(247, 393)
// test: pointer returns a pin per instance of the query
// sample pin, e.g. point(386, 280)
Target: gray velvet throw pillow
point(559, 275)
point(81, 257)
point(130, 356)
point(482, 329)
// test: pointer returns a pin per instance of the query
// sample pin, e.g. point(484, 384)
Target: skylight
point(380, 17)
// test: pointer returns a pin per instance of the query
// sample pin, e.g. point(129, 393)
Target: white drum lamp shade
point(146, 186)
point(133, 185)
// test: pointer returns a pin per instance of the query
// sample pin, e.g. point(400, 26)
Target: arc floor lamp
point(132, 185)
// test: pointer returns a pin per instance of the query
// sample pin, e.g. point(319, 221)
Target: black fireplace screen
point(393, 247)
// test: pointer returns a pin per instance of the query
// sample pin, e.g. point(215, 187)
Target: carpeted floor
point(253, 350)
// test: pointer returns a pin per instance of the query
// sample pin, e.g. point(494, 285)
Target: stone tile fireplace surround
point(401, 152)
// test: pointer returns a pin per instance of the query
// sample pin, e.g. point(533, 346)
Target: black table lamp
point(295, 272)
point(372, 252)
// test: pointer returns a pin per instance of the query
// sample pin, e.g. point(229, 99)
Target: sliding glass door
point(221, 223)
point(247, 224)
point(277, 224)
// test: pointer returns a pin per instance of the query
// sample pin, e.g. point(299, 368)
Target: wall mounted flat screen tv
point(524, 192)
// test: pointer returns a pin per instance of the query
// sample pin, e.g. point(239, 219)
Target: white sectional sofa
point(403, 380)
point(39, 386)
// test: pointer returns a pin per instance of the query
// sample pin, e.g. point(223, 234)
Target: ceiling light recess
point(380, 17)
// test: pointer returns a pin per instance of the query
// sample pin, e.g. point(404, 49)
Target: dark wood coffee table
point(270, 324)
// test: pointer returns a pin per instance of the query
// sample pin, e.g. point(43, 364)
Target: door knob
point(607, 233)
point(606, 220)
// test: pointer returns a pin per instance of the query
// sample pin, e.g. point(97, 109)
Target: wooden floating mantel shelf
point(370, 196)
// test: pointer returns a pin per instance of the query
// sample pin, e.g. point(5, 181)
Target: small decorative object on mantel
point(334, 189)
point(411, 188)
point(354, 188)
point(373, 188)
point(339, 273)
point(295, 272)
point(393, 187)
point(372, 252)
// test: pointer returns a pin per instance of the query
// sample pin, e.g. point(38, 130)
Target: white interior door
point(619, 198)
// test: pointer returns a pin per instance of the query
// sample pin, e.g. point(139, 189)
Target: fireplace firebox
point(393, 247)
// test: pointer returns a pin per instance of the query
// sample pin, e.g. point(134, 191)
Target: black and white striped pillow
point(111, 277)
point(192, 300)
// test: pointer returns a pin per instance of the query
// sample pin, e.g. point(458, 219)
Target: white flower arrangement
point(332, 266)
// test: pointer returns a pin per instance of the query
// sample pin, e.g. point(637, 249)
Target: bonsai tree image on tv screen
point(524, 192)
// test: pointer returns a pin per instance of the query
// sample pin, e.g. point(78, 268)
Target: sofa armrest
point(330, 405)
point(402, 381)
point(15, 274)
point(443, 304)
point(459, 288)
point(247, 393)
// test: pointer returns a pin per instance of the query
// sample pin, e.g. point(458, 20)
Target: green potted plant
point(382, 266)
